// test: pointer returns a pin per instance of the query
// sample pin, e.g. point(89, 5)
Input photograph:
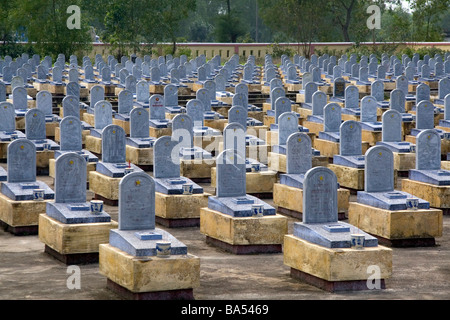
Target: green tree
point(229, 27)
point(45, 24)
point(426, 19)
point(297, 20)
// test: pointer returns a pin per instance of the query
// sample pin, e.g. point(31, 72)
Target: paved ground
point(26, 272)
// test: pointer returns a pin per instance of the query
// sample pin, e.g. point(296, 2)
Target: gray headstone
point(428, 150)
point(397, 100)
point(97, 94)
point(377, 90)
point(319, 100)
point(379, 170)
point(195, 109)
point(102, 114)
point(171, 95)
point(443, 88)
point(113, 144)
point(320, 196)
point(298, 153)
point(425, 115)
point(71, 106)
point(350, 139)
point(368, 109)
point(35, 125)
point(282, 105)
point(276, 93)
point(130, 83)
point(7, 117)
point(137, 202)
point(402, 84)
point(73, 75)
point(447, 107)
point(203, 96)
point(71, 134)
point(230, 174)
point(125, 102)
point(139, 125)
point(287, 125)
point(2, 92)
point(183, 130)
point(21, 161)
point(352, 97)
point(57, 75)
point(143, 91)
point(166, 159)
point(310, 88)
point(156, 107)
point(70, 178)
point(44, 102)
point(238, 114)
point(392, 126)
point(422, 93)
point(234, 138)
point(20, 98)
point(332, 117)
point(73, 89)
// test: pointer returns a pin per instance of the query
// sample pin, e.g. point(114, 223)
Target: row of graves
point(325, 129)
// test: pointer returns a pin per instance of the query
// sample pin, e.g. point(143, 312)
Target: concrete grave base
point(105, 188)
point(73, 243)
point(159, 132)
point(110, 89)
point(243, 235)
point(372, 137)
point(258, 115)
point(330, 148)
point(89, 119)
point(445, 165)
point(179, 210)
point(93, 144)
point(313, 127)
point(50, 128)
point(157, 89)
point(197, 170)
point(21, 217)
point(142, 157)
point(41, 86)
point(437, 196)
point(293, 87)
point(218, 124)
point(289, 200)
point(257, 183)
point(303, 112)
point(277, 162)
point(351, 178)
point(56, 90)
point(125, 125)
point(446, 129)
point(403, 162)
point(149, 277)
point(43, 161)
point(398, 228)
point(343, 269)
point(272, 137)
point(346, 117)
